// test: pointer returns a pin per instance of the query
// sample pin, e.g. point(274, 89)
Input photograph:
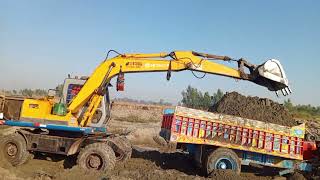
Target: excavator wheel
point(97, 156)
point(122, 148)
point(14, 149)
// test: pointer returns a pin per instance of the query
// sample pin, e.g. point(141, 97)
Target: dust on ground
point(261, 109)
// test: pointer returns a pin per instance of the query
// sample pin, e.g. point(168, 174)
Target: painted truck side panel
point(192, 126)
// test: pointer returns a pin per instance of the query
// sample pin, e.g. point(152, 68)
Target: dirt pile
point(256, 108)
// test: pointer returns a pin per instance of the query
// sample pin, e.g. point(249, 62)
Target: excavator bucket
point(271, 75)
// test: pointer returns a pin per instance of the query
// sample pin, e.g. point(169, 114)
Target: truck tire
point(222, 158)
point(97, 156)
point(14, 149)
point(312, 137)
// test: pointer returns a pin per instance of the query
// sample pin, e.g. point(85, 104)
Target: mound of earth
point(256, 108)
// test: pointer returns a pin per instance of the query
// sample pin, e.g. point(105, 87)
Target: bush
point(303, 111)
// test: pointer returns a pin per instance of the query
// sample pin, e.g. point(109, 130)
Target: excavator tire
point(14, 149)
point(97, 156)
point(122, 148)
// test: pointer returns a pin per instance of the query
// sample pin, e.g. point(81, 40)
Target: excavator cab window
point(73, 90)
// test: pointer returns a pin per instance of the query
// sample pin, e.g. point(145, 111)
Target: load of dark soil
point(261, 109)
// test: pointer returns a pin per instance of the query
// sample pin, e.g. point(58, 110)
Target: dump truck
point(220, 141)
point(76, 124)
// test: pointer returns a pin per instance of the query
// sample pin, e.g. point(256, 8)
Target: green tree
point(40, 92)
point(217, 96)
point(26, 92)
point(191, 97)
point(206, 101)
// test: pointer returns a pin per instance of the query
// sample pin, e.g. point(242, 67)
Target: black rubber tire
point(310, 137)
point(122, 148)
point(101, 151)
point(127, 149)
point(14, 148)
point(227, 156)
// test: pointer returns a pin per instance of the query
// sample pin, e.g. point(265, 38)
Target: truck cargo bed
point(185, 125)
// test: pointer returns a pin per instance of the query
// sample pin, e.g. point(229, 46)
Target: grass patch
point(135, 118)
point(306, 116)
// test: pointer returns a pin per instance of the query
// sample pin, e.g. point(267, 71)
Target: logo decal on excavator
point(134, 64)
point(148, 65)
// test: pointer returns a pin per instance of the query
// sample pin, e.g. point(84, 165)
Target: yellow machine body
point(40, 110)
point(90, 96)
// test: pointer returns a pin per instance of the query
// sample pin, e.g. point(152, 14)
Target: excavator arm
point(94, 88)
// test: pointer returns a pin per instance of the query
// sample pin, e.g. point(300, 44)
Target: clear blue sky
point(42, 41)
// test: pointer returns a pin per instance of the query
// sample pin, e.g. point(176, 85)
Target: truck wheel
point(222, 158)
point(14, 149)
point(97, 156)
point(311, 137)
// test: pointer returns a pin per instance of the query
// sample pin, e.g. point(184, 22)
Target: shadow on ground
point(177, 160)
point(68, 161)
point(184, 163)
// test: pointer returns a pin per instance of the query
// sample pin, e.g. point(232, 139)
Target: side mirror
point(52, 93)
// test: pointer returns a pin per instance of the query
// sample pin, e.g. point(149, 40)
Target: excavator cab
point(72, 87)
point(56, 112)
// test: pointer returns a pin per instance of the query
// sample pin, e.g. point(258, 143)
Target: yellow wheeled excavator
point(76, 124)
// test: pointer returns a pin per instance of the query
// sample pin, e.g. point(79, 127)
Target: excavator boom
point(270, 74)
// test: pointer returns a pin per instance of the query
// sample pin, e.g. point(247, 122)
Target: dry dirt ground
point(148, 160)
